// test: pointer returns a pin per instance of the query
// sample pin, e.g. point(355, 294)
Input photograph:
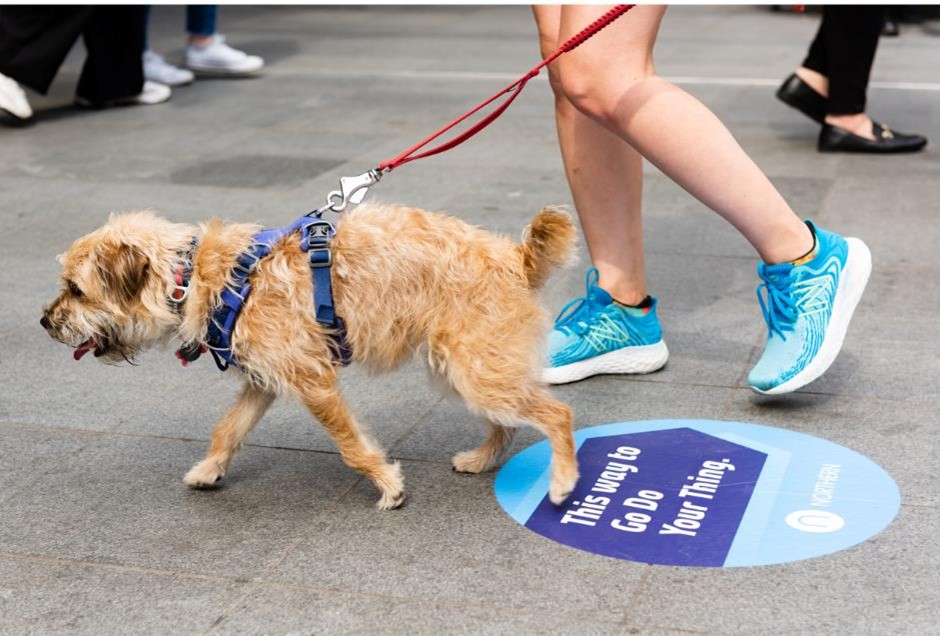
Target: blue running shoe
point(593, 335)
point(807, 308)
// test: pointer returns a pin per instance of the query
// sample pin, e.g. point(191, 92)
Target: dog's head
point(114, 288)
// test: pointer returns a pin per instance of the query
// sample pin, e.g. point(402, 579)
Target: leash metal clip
point(351, 190)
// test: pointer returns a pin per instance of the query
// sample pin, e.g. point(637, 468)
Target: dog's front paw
point(204, 474)
point(561, 487)
point(390, 501)
point(471, 461)
point(392, 485)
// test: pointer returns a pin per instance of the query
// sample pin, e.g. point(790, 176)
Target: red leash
point(515, 88)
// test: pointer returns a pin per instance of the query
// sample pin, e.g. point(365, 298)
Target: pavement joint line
point(400, 600)
point(740, 387)
point(626, 379)
point(641, 584)
point(276, 562)
point(421, 419)
point(667, 629)
point(682, 80)
point(86, 431)
point(118, 567)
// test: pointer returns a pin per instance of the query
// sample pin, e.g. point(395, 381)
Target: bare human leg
point(672, 129)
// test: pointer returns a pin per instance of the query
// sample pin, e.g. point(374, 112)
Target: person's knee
point(547, 44)
point(596, 87)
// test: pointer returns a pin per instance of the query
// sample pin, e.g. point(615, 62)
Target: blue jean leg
point(145, 26)
point(201, 19)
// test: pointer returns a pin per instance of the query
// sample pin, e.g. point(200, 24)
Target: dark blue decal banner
point(703, 493)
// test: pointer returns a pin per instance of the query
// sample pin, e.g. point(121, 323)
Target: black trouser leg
point(35, 40)
point(843, 51)
point(113, 68)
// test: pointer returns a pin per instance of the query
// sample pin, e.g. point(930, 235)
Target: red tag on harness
point(191, 352)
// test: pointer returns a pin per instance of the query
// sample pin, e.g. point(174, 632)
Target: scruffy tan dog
point(403, 280)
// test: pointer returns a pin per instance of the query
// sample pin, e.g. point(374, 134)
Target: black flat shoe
point(798, 94)
point(834, 139)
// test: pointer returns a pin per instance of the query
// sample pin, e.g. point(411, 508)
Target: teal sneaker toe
point(807, 309)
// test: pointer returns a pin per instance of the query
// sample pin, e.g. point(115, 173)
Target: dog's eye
point(74, 290)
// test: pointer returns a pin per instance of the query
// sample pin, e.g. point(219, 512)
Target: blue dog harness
point(316, 235)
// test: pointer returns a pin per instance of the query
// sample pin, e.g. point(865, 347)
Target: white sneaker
point(152, 93)
point(157, 69)
point(13, 99)
point(218, 58)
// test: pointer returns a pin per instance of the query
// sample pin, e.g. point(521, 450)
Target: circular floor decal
point(703, 493)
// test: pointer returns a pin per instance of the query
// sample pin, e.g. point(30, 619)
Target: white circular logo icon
point(815, 521)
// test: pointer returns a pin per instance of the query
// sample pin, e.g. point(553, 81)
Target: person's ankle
point(625, 294)
point(817, 81)
point(858, 124)
point(200, 41)
point(790, 245)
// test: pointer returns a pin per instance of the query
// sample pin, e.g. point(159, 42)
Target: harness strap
point(315, 240)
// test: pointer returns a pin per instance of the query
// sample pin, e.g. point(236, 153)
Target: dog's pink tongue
point(84, 348)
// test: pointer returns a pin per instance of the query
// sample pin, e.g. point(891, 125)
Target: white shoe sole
point(175, 83)
point(18, 109)
point(632, 360)
point(14, 118)
point(851, 287)
point(222, 71)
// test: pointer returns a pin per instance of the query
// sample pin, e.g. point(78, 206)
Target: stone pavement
point(98, 535)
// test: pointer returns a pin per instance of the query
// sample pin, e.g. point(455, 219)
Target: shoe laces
point(571, 317)
point(779, 308)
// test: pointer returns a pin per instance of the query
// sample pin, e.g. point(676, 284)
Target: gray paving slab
point(26, 452)
point(50, 596)
point(98, 535)
point(899, 217)
point(121, 501)
point(452, 543)
point(859, 590)
point(280, 609)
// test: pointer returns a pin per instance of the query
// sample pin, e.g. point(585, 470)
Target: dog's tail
point(547, 242)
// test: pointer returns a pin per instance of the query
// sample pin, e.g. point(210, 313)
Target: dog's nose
point(45, 322)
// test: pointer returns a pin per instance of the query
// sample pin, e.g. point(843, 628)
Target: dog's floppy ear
point(122, 268)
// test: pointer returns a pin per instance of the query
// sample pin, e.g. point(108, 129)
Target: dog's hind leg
point(485, 456)
point(500, 385)
point(554, 419)
point(358, 450)
point(228, 436)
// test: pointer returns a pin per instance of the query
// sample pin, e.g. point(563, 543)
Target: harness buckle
point(251, 259)
point(316, 234)
point(320, 257)
point(247, 271)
